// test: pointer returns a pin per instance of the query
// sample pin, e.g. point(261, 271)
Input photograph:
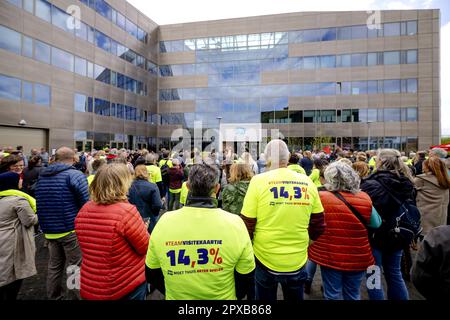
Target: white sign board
point(240, 132)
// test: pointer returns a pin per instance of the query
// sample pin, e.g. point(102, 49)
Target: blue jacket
point(145, 196)
point(60, 193)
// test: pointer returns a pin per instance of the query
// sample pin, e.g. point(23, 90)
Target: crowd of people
point(204, 225)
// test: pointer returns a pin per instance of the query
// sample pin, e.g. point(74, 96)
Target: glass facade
point(15, 89)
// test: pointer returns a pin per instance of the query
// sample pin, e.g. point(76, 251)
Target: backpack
point(165, 172)
point(401, 228)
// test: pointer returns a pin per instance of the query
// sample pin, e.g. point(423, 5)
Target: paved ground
point(34, 288)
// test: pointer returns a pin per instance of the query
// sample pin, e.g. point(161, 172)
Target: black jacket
point(30, 177)
point(431, 270)
point(400, 186)
point(145, 196)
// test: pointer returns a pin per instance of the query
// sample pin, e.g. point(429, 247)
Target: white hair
point(339, 176)
point(276, 151)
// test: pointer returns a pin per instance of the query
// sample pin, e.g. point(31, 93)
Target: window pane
point(80, 66)
point(60, 19)
point(391, 57)
point(41, 51)
point(90, 69)
point(102, 41)
point(392, 114)
point(372, 59)
point(28, 5)
point(90, 34)
point(17, 3)
point(372, 115)
point(391, 86)
point(344, 33)
point(310, 36)
point(411, 56)
point(102, 74)
point(81, 32)
point(131, 28)
point(80, 102)
point(41, 94)
point(411, 27)
point(359, 87)
point(101, 107)
point(412, 85)
point(10, 40)
point(308, 116)
point(27, 47)
point(344, 60)
point(328, 61)
point(372, 86)
point(346, 115)
point(328, 34)
point(359, 32)
point(43, 10)
point(121, 20)
point(103, 8)
point(359, 60)
point(9, 88)
point(309, 62)
point(391, 29)
point(327, 116)
point(62, 59)
point(27, 91)
point(411, 114)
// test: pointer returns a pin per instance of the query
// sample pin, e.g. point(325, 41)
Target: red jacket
point(345, 244)
point(176, 175)
point(114, 241)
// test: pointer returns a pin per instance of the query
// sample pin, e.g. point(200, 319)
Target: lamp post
point(220, 136)
point(368, 135)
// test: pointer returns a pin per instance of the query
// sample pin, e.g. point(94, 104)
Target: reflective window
point(17, 3)
point(327, 116)
point(372, 115)
point(411, 56)
point(43, 10)
point(61, 19)
point(328, 61)
point(27, 47)
point(310, 36)
point(359, 60)
point(41, 94)
point(359, 32)
point(372, 59)
point(90, 34)
point(28, 5)
point(102, 41)
point(9, 88)
point(326, 88)
point(101, 107)
point(344, 60)
point(411, 114)
point(103, 8)
point(102, 74)
point(411, 27)
point(309, 116)
point(372, 86)
point(392, 115)
point(90, 69)
point(62, 59)
point(309, 62)
point(131, 28)
point(391, 57)
point(27, 91)
point(411, 86)
point(10, 40)
point(391, 86)
point(346, 115)
point(81, 32)
point(359, 87)
point(391, 29)
point(80, 66)
point(344, 33)
point(80, 102)
point(41, 51)
point(327, 34)
point(121, 21)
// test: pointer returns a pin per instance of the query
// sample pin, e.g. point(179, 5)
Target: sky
point(179, 11)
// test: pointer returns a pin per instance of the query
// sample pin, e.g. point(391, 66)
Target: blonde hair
point(361, 168)
point(140, 172)
point(110, 184)
point(240, 172)
point(390, 160)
